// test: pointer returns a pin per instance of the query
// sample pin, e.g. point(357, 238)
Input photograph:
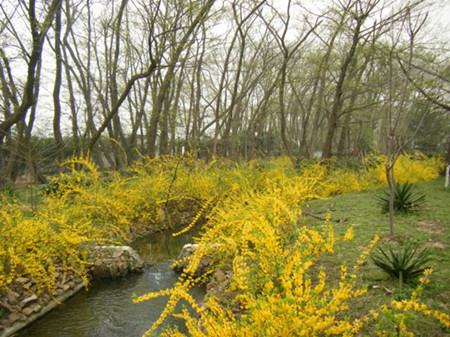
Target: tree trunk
point(338, 99)
point(57, 86)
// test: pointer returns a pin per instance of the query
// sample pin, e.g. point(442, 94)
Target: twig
point(318, 217)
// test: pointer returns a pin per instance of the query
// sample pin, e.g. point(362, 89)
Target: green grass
point(427, 227)
point(29, 197)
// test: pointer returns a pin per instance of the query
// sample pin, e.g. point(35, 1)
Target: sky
point(440, 16)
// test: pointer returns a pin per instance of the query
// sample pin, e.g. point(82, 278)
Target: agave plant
point(406, 198)
point(405, 263)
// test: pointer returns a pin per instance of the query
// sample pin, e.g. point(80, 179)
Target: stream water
point(106, 310)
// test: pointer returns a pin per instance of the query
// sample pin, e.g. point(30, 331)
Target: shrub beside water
point(252, 229)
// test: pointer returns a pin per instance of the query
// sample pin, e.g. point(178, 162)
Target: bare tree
point(24, 100)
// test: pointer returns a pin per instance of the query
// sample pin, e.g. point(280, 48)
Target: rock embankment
point(114, 261)
point(22, 303)
point(183, 260)
point(219, 281)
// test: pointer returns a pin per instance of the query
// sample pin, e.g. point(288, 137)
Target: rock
point(22, 280)
point(220, 276)
point(4, 304)
point(14, 317)
point(220, 280)
point(102, 271)
point(218, 287)
point(29, 286)
point(117, 254)
point(12, 297)
point(114, 261)
point(28, 311)
point(183, 260)
point(187, 250)
point(44, 298)
point(29, 299)
point(36, 307)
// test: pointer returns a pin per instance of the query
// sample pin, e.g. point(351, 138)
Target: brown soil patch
point(435, 244)
point(393, 239)
point(430, 226)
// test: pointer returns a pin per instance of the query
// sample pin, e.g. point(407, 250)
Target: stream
point(106, 309)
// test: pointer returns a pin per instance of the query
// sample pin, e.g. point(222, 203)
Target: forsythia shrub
point(252, 211)
point(83, 209)
point(408, 168)
point(32, 247)
point(278, 287)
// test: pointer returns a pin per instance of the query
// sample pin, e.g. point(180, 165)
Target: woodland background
point(240, 79)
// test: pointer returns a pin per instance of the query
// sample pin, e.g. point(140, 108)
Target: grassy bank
point(428, 227)
point(289, 274)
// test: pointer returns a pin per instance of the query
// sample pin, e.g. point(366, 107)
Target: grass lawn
point(428, 227)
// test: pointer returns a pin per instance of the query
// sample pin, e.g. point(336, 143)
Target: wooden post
point(447, 176)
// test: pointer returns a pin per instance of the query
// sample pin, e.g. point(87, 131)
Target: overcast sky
point(440, 17)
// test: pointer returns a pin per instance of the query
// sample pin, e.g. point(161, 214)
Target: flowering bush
point(407, 169)
point(251, 214)
point(277, 285)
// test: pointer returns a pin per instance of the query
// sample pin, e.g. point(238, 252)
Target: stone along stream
point(106, 310)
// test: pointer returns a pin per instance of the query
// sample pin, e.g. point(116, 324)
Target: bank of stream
point(106, 309)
